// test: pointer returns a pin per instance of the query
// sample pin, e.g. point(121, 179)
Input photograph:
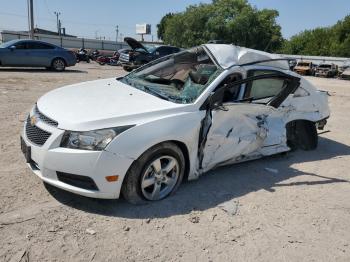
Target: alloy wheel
point(160, 178)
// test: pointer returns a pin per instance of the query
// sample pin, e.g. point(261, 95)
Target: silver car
point(32, 53)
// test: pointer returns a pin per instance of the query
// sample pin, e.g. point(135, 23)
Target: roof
point(231, 55)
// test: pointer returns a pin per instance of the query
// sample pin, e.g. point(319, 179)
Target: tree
point(322, 41)
point(161, 26)
point(232, 21)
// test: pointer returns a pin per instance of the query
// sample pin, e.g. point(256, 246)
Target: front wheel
point(155, 175)
point(58, 64)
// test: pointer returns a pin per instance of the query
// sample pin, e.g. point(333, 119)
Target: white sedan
point(175, 118)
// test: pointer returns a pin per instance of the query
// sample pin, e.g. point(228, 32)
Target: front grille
point(35, 134)
point(44, 118)
point(77, 181)
point(124, 58)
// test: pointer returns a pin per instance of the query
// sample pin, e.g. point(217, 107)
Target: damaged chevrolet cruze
point(175, 118)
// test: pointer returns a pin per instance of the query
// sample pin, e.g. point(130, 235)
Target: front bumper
point(302, 72)
point(50, 160)
point(323, 73)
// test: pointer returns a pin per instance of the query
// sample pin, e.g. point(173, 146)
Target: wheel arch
point(290, 124)
point(291, 129)
point(184, 149)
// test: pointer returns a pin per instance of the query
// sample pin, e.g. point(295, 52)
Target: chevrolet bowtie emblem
point(33, 120)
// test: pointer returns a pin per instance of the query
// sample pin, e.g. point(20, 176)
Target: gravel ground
point(292, 207)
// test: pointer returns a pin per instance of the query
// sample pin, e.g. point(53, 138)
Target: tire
point(127, 68)
point(142, 180)
point(302, 134)
point(58, 64)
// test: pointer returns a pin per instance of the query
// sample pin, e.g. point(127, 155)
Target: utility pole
point(117, 34)
point(58, 22)
point(31, 18)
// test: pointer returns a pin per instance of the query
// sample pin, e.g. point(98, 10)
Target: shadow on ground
point(217, 186)
point(40, 70)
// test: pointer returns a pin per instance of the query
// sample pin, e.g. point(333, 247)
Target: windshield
point(325, 66)
point(149, 49)
point(8, 44)
point(303, 64)
point(179, 78)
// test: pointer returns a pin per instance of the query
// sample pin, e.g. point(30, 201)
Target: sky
point(91, 18)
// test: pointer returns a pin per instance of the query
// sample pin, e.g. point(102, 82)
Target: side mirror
point(157, 53)
point(12, 48)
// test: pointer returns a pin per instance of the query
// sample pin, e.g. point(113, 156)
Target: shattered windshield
point(179, 78)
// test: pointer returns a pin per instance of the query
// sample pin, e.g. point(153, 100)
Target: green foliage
point(232, 21)
point(325, 41)
point(161, 26)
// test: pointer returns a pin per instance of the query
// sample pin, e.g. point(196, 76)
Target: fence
point(66, 42)
point(317, 59)
point(75, 42)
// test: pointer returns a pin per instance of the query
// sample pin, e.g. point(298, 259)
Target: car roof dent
point(231, 55)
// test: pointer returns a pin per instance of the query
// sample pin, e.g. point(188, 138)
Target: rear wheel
point(58, 64)
point(155, 175)
point(302, 134)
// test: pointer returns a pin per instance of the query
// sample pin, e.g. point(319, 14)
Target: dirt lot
point(298, 211)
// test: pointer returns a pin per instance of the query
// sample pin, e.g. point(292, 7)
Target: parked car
point(344, 70)
point(327, 70)
point(140, 54)
point(177, 117)
point(32, 53)
point(114, 60)
point(305, 68)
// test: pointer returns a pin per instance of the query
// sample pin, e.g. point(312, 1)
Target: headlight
point(95, 140)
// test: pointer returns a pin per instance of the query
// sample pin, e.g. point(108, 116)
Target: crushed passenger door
point(235, 131)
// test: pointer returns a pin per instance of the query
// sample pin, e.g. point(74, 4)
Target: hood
point(346, 72)
point(102, 104)
point(134, 44)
